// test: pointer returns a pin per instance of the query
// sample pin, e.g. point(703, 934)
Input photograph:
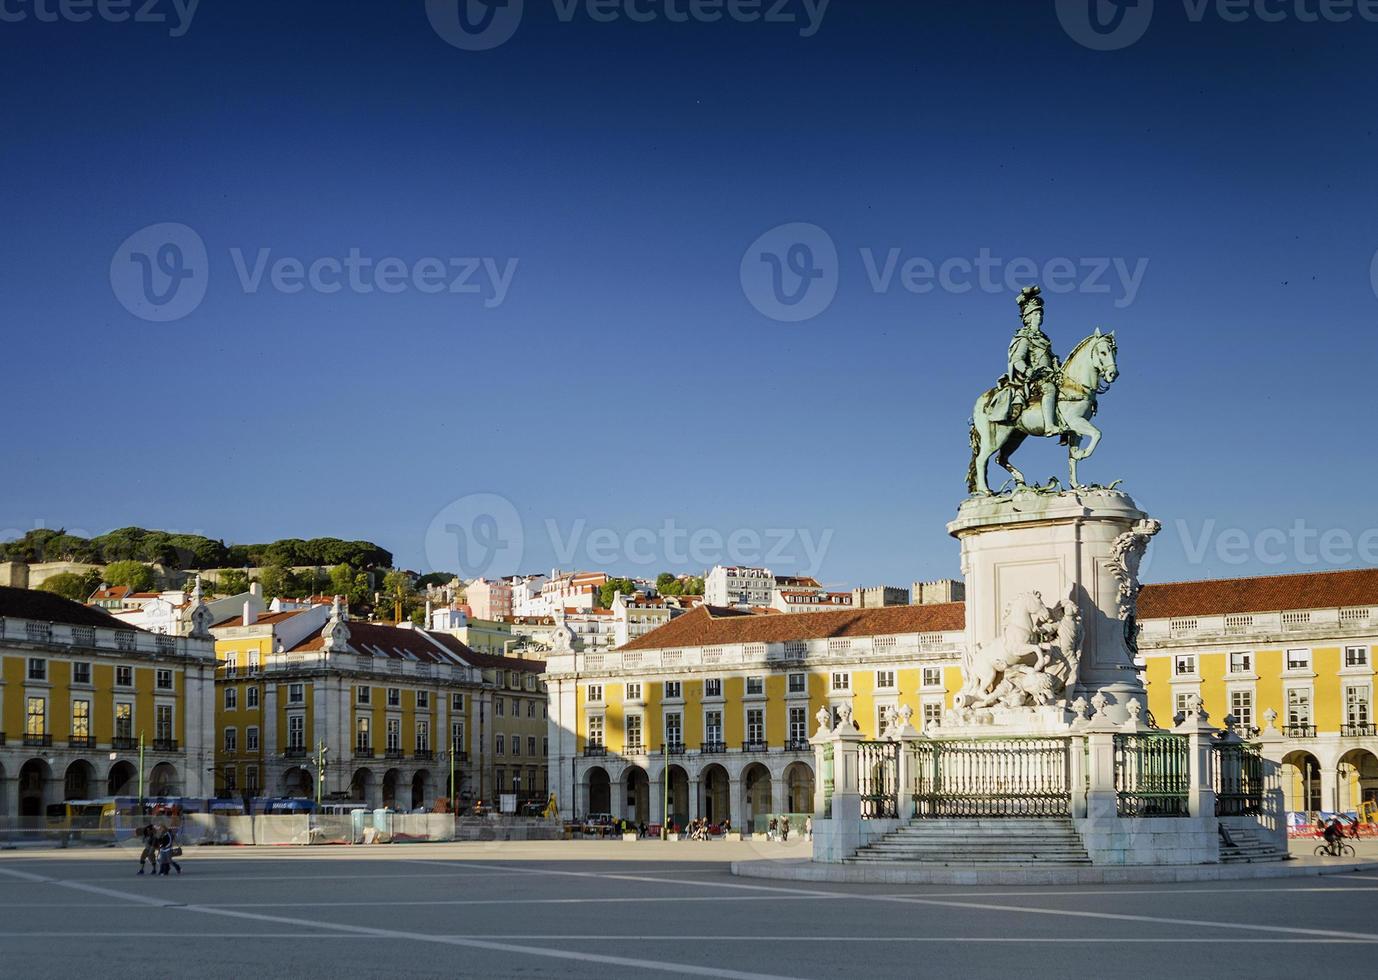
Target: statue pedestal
point(1080, 544)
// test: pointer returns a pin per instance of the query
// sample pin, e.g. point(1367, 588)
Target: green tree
point(693, 585)
point(434, 578)
point(72, 585)
point(232, 582)
point(605, 591)
point(397, 588)
point(135, 574)
point(275, 581)
point(345, 581)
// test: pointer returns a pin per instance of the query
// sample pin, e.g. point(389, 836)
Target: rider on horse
point(1033, 367)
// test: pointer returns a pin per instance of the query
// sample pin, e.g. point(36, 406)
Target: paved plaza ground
point(620, 909)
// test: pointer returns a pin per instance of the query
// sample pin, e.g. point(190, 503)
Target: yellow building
point(389, 705)
point(79, 691)
point(1293, 651)
point(713, 711)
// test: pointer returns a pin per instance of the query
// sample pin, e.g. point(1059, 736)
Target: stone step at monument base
point(1249, 849)
point(981, 841)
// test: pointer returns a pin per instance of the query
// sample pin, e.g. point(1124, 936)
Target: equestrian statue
point(1041, 396)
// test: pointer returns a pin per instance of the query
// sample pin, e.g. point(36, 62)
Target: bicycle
point(1338, 849)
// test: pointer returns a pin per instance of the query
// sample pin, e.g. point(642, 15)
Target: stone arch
point(421, 789)
point(677, 796)
point(296, 782)
point(361, 785)
point(162, 781)
point(636, 788)
point(799, 787)
point(78, 781)
point(1301, 781)
point(33, 787)
point(1358, 779)
point(391, 779)
point(123, 779)
point(716, 786)
point(598, 790)
point(3, 795)
point(756, 797)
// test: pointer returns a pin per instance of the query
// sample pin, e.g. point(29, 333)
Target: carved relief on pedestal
point(1126, 554)
point(1034, 662)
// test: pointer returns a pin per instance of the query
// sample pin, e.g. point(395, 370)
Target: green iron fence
point(1152, 776)
point(995, 777)
point(1238, 780)
point(878, 778)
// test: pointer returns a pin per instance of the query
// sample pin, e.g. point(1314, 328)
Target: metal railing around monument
point(878, 779)
point(1238, 780)
point(1152, 775)
point(992, 777)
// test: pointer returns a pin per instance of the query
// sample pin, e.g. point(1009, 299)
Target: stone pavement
point(620, 909)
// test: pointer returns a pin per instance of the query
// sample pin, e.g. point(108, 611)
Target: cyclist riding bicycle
point(1334, 833)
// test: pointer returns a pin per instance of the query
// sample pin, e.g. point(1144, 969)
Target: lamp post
point(321, 752)
point(141, 769)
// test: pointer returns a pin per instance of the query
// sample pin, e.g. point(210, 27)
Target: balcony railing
point(460, 755)
point(1299, 731)
point(124, 742)
point(712, 748)
point(81, 742)
point(37, 741)
point(165, 745)
point(423, 754)
point(755, 745)
point(798, 745)
point(294, 752)
point(363, 752)
point(393, 754)
point(595, 751)
point(672, 748)
point(1358, 731)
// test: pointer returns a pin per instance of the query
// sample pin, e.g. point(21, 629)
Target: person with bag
point(167, 851)
point(150, 851)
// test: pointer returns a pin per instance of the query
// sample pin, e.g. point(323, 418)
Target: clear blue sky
point(624, 380)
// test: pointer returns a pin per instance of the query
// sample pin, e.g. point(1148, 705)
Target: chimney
point(250, 614)
point(256, 588)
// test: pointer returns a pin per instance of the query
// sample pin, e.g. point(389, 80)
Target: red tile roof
point(264, 619)
point(47, 607)
point(1269, 593)
point(713, 625)
point(117, 592)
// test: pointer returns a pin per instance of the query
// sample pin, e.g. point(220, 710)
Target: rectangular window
point(755, 685)
point(1184, 664)
point(251, 738)
point(423, 736)
point(595, 729)
point(674, 728)
point(230, 782)
point(500, 707)
point(394, 697)
point(798, 683)
point(457, 736)
point(516, 745)
point(531, 745)
point(633, 733)
point(672, 690)
point(500, 744)
point(595, 692)
point(296, 731)
point(932, 713)
point(363, 733)
point(1298, 706)
point(251, 697)
point(251, 780)
point(755, 725)
point(932, 677)
point(231, 664)
point(124, 720)
point(1242, 707)
point(1356, 705)
point(394, 734)
point(36, 717)
point(38, 669)
point(423, 699)
point(163, 680)
point(531, 709)
point(885, 678)
point(81, 672)
point(1299, 659)
point(231, 740)
point(231, 698)
point(798, 724)
point(296, 693)
point(712, 727)
point(81, 719)
point(1241, 663)
point(634, 691)
point(712, 687)
point(457, 701)
point(253, 665)
point(842, 681)
point(162, 723)
point(545, 745)
point(363, 694)
point(124, 676)
point(1356, 656)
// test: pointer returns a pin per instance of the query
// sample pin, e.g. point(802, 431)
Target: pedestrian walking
point(167, 852)
point(808, 827)
point(150, 851)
